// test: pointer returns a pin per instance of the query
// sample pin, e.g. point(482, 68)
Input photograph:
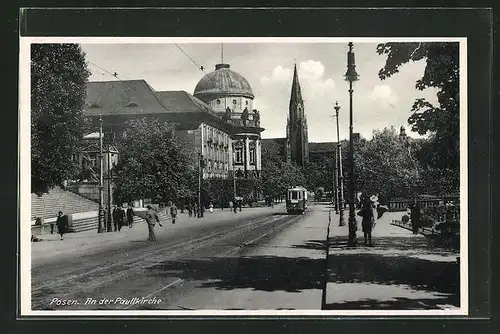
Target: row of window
point(238, 155)
point(215, 135)
point(235, 102)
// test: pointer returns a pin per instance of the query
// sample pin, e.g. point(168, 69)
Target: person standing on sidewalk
point(62, 224)
point(415, 216)
point(130, 216)
point(173, 212)
point(151, 220)
point(368, 220)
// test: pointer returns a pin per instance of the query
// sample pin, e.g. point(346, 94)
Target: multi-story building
point(230, 96)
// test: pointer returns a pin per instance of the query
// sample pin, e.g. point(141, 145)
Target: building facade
point(230, 96)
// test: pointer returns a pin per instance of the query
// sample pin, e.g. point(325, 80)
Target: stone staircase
point(57, 199)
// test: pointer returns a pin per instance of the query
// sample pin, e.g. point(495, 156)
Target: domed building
point(230, 95)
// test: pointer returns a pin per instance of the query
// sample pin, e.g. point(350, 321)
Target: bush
point(444, 218)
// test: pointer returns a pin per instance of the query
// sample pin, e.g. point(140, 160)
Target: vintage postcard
point(243, 176)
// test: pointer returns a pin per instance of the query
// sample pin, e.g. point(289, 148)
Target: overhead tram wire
point(200, 67)
point(116, 76)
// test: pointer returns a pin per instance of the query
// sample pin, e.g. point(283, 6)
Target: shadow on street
point(264, 273)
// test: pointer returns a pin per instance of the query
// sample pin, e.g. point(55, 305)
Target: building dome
point(223, 81)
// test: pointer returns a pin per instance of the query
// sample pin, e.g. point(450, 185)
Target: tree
point(153, 164)
point(59, 77)
point(385, 166)
point(278, 175)
point(441, 122)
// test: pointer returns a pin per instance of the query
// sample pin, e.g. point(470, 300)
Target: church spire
point(296, 102)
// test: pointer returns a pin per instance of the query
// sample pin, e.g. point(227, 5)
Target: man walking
point(173, 212)
point(151, 220)
point(130, 216)
point(118, 218)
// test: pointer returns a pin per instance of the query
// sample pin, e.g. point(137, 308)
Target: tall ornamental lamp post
point(339, 168)
point(351, 76)
point(101, 216)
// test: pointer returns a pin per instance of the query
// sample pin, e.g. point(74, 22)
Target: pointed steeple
point(296, 96)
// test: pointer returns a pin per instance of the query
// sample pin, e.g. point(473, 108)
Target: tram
point(296, 200)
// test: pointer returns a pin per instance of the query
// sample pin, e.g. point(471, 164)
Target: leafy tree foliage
point(387, 167)
point(278, 175)
point(441, 72)
point(153, 164)
point(59, 76)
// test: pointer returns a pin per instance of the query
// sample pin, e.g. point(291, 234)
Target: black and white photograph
point(243, 176)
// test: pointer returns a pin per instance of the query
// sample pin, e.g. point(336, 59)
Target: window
point(218, 101)
point(252, 155)
point(294, 195)
point(238, 155)
point(234, 102)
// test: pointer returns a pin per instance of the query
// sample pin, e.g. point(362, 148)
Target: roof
point(223, 81)
point(181, 101)
point(124, 97)
point(322, 147)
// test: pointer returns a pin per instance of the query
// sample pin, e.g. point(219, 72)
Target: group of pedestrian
point(122, 217)
point(371, 210)
point(195, 210)
point(235, 205)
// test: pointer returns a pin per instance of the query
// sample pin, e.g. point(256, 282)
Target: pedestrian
point(368, 219)
point(62, 224)
point(235, 206)
point(415, 216)
point(118, 218)
point(190, 209)
point(240, 204)
point(151, 220)
point(211, 207)
point(173, 212)
point(130, 216)
point(230, 205)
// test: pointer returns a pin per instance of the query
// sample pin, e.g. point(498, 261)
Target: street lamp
point(340, 192)
point(101, 215)
point(351, 76)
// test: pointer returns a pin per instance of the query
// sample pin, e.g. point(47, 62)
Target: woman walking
point(62, 224)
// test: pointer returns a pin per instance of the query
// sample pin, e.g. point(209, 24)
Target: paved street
point(259, 258)
point(249, 260)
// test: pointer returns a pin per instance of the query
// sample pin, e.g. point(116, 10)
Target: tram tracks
point(91, 279)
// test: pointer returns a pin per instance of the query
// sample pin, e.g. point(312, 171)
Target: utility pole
point(110, 216)
point(340, 193)
point(101, 216)
point(234, 185)
point(351, 76)
point(200, 169)
point(335, 191)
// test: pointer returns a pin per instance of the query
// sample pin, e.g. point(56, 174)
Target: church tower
point(297, 141)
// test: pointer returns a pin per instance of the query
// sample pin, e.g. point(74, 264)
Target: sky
point(268, 67)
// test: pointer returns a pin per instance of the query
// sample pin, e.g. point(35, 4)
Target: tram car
point(296, 200)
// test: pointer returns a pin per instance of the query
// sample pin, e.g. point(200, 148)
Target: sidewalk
point(88, 242)
point(402, 271)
